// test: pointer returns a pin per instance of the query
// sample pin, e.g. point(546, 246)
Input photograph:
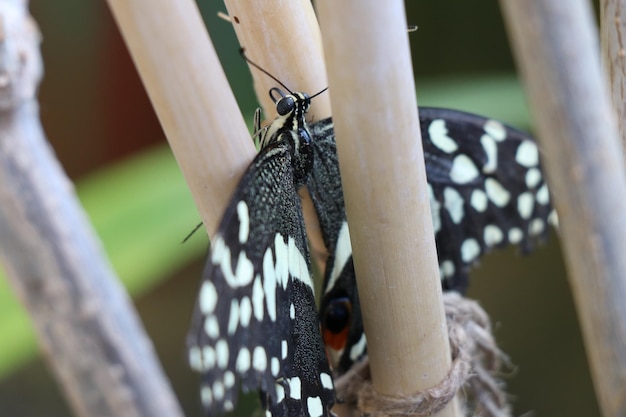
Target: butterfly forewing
point(255, 319)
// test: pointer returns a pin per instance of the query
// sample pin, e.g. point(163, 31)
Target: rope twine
point(476, 363)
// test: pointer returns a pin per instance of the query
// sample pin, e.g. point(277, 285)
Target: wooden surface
point(189, 91)
point(556, 46)
point(384, 181)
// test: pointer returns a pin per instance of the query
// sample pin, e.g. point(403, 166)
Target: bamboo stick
point(557, 52)
point(85, 323)
point(612, 40)
point(384, 182)
point(189, 91)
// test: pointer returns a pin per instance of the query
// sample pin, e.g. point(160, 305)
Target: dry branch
point(557, 52)
point(86, 325)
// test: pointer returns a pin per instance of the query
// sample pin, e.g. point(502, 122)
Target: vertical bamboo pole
point(189, 91)
point(556, 47)
point(613, 39)
point(383, 175)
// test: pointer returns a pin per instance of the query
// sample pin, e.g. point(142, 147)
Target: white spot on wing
point(470, 249)
point(221, 350)
point(496, 192)
point(228, 406)
point(495, 129)
point(536, 226)
point(553, 218)
point(292, 311)
point(454, 204)
point(447, 268)
point(257, 298)
point(327, 381)
point(218, 390)
point(233, 317)
point(478, 200)
point(243, 360)
point(491, 149)
point(463, 170)
point(275, 366)
point(244, 270)
point(343, 252)
point(245, 311)
point(280, 393)
point(527, 154)
point(208, 357)
point(218, 247)
point(211, 327)
point(298, 267)
point(269, 284)
point(314, 405)
point(282, 261)
point(206, 396)
point(515, 235)
point(284, 348)
point(229, 379)
point(357, 350)
point(439, 136)
point(259, 359)
point(493, 235)
point(208, 298)
point(525, 204)
point(543, 195)
point(295, 386)
point(244, 221)
point(195, 358)
point(533, 176)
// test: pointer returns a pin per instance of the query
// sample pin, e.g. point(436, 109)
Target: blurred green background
point(104, 131)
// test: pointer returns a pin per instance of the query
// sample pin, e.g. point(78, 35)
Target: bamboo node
point(476, 363)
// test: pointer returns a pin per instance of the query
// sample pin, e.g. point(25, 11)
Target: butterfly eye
point(285, 105)
point(336, 323)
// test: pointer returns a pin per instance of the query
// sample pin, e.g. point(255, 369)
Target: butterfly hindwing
point(486, 190)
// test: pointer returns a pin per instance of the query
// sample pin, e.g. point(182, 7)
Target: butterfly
point(256, 323)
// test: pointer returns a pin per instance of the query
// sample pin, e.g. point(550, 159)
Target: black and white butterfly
point(256, 320)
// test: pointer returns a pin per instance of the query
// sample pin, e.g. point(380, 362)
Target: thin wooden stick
point(612, 40)
point(557, 52)
point(384, 181)
point(189, 91)
point(85, 323)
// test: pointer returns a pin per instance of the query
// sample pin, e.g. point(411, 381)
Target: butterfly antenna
point(242, 51)
point(318, 93)
point(195, 229)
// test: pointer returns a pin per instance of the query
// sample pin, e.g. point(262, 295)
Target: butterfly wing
point(255, 320)
point(486, 190)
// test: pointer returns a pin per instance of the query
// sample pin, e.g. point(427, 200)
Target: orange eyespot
point(336, 323)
